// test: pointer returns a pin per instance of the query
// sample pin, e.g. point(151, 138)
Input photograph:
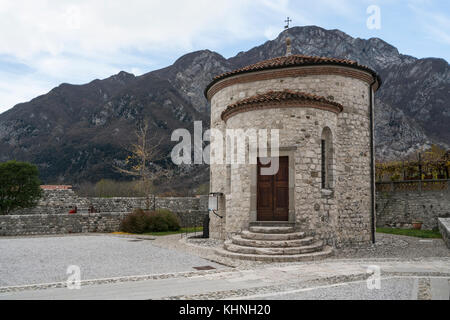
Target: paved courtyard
point(36, 260)
point(336, 279)
point(164, 269)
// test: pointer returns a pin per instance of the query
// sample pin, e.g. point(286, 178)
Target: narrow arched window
point(324, 166)
point(327, 159)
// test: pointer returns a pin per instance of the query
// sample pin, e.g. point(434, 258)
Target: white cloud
point(436, 24)
point(14, 90)
point(80, 40)
point(108, 25)
point(271, 32)
point(439, 27)
point(76, 41)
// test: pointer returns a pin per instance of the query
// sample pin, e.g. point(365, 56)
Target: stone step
point(240, 241)
point(272, 237)
point(271, 229)
point(317, 246)
point(313, 256)
point(272, 224)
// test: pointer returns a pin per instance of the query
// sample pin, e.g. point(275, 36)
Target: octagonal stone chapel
point(322, 195)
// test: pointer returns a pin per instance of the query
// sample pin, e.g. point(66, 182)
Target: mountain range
point(77, 133)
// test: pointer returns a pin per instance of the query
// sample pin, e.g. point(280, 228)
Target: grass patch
point(182, 230)
point(412, 233)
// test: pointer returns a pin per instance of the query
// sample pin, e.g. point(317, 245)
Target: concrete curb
point(52, 285)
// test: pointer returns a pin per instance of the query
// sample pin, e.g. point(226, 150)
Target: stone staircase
point(274, 242)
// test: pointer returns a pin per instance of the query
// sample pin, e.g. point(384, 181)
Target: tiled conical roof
point(274, 97)
point(293, 61)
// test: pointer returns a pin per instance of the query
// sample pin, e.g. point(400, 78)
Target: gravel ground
point(205, 249)
point(34, 260)
point(208, 243)
point(399, 247)
point(387, 247)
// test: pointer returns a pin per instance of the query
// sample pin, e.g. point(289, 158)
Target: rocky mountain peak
point(76, 132)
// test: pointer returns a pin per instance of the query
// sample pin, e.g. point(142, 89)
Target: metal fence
point(413, 185)
point(197, 227)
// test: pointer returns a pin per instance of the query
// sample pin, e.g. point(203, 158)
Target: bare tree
point(139, 162)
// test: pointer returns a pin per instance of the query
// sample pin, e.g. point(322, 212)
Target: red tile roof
point(279, 96)
point(55, 187)
point(293, 61)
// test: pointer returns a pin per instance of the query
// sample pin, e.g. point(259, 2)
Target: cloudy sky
point(46, 42)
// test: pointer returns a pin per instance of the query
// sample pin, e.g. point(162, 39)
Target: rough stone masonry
point(399, 209)
point(252, 98)
point(62, 200)
point(51, 215)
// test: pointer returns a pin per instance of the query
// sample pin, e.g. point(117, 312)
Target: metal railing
point(197, 227)
point(413, 185)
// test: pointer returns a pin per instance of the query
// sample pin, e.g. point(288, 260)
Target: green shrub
point(135, 222)
point(19, 186)
point(170, 218)
point(157, 223)
point(140, 221)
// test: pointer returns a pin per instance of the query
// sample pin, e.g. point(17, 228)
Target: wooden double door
point(273, 193)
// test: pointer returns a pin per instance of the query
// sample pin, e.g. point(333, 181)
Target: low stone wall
point(193, 218)
point(444, 228)
point(47, 224)
point(50, 216)
point(37, 224)
point(128, 204)
point(401, 203)
point(62, 201)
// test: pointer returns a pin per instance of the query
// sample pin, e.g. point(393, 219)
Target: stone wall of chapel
point(300, 131)
point(340, 219)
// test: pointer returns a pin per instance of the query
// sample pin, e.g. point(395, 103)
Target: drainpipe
point(372, 161)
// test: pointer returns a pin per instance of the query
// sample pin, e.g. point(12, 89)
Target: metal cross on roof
point(287, 23)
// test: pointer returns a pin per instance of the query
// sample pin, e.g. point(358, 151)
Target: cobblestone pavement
point(393, 288)
point(399, 247)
